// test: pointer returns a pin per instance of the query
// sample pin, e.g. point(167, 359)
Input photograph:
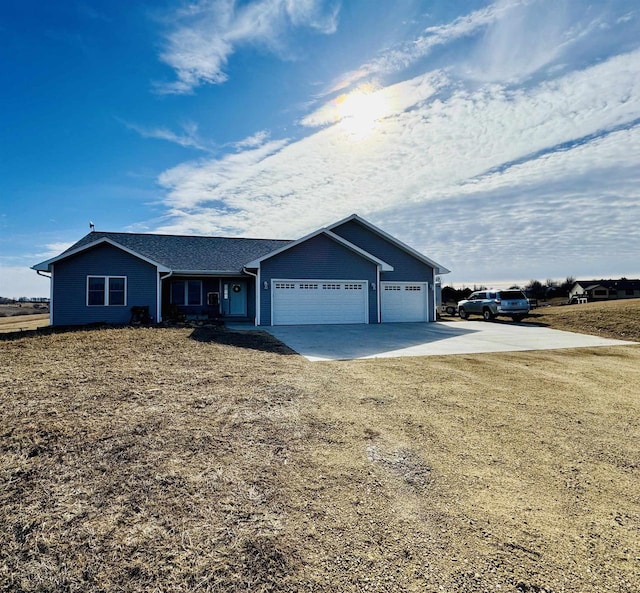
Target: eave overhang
point(45, 265)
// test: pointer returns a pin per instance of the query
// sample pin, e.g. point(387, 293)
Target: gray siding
point(318, 258)
point(406, 268)
point(70, 286)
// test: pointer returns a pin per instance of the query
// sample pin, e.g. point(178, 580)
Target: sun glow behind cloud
point(358, 111)
point(437, 150)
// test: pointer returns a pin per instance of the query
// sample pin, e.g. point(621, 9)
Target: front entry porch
point(206, 297)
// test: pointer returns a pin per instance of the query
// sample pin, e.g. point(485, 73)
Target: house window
point(106, 291)
point(186, 292)
point(117, 292)
point(600, 292)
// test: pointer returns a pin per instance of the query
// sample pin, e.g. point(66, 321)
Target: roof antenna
point(92, 226)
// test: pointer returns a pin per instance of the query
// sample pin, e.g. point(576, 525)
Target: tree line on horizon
point(8, 301)
point(534, 289)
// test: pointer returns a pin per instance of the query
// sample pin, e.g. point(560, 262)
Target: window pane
point(116, 291)
point(195, 288)
point(514, 295)
point(177, 292)
point(96, 291)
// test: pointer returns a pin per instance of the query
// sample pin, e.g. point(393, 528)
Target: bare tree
point(535, 289)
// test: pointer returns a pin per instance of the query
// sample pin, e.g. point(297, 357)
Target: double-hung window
point(106, 291)
point(186, 292)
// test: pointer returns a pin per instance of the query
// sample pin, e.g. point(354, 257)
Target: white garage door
point(404, 301)
point(303, 302)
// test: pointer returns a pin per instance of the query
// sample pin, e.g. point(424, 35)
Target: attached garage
point(306, 302)
point(357, 274)
point(349, 272)
point(404, 301)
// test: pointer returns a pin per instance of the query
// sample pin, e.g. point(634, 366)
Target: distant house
point(603, 290)
point(347, 272)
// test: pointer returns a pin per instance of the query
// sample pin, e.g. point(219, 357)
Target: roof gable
point(439, 269)
point(45, 266)
point(384, 266)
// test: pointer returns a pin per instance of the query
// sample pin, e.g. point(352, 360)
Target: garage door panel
point(404, 301)
point(319, 302)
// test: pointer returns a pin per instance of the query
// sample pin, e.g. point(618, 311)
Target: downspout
point(159, 294)
point(256, 277)
point(378, 297)
point(50, 292)
point(434, 307)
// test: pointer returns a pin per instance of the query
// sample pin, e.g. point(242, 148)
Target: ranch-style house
point(348, 272)
point(605, 290)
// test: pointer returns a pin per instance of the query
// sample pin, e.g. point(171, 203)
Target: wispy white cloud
point(208, 32)
point(440, 142)
point(479, 161)
point(508, 41)
point(196, 184)
point(53, 249)
point(407, 53)
point(253, 141)
point(189, 138)
point(46, 252)
point(539, 35)
point(568, 210)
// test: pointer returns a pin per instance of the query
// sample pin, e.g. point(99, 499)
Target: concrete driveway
point(388, 340)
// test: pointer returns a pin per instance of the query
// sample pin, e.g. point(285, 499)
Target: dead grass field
point(23, 322)
point(612, 319)
point(207, 460)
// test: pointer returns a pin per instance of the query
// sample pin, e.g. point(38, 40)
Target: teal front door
point(235, 298)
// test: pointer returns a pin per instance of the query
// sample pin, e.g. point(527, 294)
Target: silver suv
point(491, 303)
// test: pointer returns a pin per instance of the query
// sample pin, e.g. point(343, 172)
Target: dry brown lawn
point(19, 323)
point(612, 319)
point(208, 460)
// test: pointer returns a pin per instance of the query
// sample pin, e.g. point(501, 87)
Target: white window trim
point(186, 292)
point(106, 290)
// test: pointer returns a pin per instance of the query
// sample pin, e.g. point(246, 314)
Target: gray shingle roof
point(622, 284)
point(184, 253)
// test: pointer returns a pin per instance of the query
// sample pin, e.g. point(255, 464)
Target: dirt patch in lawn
point(184, 460)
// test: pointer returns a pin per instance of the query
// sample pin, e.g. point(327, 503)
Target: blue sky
point(502, 139)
